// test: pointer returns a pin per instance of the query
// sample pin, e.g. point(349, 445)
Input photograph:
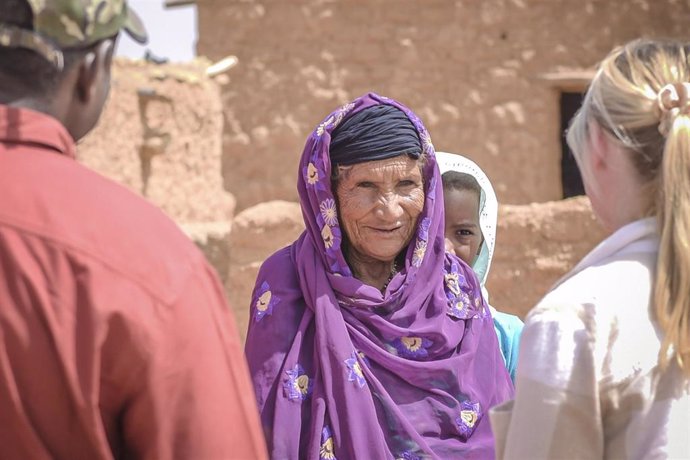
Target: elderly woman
point(367, 339)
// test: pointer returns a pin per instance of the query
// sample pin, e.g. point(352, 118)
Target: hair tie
point(672, 100)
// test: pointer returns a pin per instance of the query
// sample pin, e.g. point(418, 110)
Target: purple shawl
point(343, 371)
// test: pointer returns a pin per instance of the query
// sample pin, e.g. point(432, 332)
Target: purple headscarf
point(343, 371)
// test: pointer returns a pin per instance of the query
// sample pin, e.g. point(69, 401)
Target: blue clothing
point(508, 329)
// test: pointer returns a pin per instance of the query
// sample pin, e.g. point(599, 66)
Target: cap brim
point(135, 27)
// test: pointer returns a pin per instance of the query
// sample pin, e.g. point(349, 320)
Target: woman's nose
point(389, 206)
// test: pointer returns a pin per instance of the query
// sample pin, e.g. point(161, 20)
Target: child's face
point(462, 223)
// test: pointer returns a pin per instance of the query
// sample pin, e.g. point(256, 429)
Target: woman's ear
point(600, 145)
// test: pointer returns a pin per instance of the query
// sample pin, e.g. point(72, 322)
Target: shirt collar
point(638, 236)
point(25, 126)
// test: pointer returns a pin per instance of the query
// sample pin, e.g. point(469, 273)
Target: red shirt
point(115, 340)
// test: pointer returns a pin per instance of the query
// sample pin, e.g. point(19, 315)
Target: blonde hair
point(640, 95)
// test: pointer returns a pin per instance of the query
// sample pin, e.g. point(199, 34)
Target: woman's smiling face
point(378, 204)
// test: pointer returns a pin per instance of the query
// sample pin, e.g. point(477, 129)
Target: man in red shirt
point(115, 340)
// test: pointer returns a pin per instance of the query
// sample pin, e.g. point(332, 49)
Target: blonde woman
point(605, 356)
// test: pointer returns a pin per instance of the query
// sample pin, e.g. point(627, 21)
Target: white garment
point(488, 209)
point(588, 385)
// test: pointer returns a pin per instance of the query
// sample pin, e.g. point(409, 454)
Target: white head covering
point(488, 207)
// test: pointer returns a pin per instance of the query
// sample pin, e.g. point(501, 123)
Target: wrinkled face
point(379, 202)
point(462, 223)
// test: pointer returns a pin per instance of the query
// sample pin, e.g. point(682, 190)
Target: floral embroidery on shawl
point(355, 373)
point(459, 306)
point(470, 413)
point(458, 292)
point(340, 114)
point(315, 174)
point(422, 242)
point(412, 347)
point(334, 120)
point(327, 450)
point(454, 281)
point(419, 253)
point(329, 212)
point(298, 386)
point(427, 145)
point(328, 237)
point(363, 358)
point(265, 301)
point(322, 127)
point(332, 237)
point(312, 174)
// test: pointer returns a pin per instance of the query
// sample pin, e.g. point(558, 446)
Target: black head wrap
point(375, 133)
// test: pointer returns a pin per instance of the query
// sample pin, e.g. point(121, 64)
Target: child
point(471, 212)
point(462, 197)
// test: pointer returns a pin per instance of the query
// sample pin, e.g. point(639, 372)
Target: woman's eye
point(407, 183)
point(365, 184)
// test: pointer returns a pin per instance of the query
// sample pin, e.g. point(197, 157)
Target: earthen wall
point(485, 76)
point(482, 75)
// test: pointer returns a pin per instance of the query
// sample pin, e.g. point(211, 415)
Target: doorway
point(570, 174)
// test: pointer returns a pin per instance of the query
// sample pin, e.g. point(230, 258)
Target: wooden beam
point(176, 3)
point(569, 80)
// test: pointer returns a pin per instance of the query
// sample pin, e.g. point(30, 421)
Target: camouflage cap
point(63, 24)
